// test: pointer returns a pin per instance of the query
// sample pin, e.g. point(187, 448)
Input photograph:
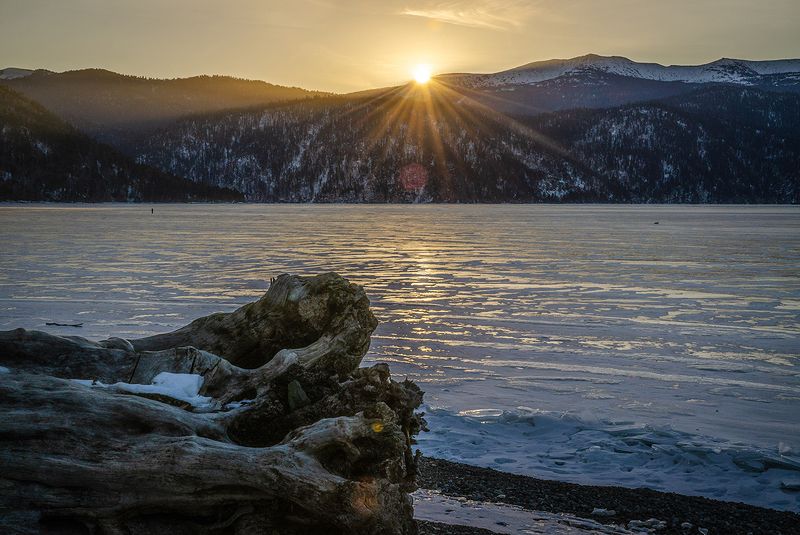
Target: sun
point(422, 73)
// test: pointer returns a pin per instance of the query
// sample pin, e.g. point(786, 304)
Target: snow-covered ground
point(181, 386)
point(579, 343)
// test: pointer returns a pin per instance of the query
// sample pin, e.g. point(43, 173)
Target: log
point(326, 315)
point(289, 435)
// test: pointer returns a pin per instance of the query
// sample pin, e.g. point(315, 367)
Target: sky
point(349, 45)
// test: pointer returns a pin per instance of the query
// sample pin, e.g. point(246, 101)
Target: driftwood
point(289, 435)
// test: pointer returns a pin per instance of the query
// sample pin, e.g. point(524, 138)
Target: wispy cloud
point(493, 15)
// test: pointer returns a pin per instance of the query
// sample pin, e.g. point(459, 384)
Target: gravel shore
point(435, 528)
point(678, 511)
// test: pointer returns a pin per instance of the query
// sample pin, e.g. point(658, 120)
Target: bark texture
point(291, 435)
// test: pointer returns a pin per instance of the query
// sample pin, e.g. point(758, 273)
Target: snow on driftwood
point(257, 421)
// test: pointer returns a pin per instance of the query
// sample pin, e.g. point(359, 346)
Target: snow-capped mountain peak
point(724, 70)
point(11, 73)
point(15, 73)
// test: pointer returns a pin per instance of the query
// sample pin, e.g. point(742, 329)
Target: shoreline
point(11, 202)
point(489, 485)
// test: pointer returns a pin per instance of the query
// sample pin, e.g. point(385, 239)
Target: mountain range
point(593, 128)
point(116, 108)
point(733, 71)
point(44, 158)
point(600, 82)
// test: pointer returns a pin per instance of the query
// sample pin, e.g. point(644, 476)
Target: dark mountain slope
point(721, 145)
point(44, 158)
point(589, 89)
point(746, 107)
point(404, 144)
point(118, 109)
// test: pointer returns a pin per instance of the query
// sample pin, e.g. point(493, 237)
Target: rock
point(651, 524)
point(95, 441)
point(598, 511)
point(296, 397)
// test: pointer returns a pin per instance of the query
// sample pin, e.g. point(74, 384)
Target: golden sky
point(349, 45)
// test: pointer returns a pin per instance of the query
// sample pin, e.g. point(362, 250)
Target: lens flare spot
point(413, 177)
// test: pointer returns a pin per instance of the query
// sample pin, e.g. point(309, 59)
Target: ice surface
point(3, 369)
point(501, 518)
point(673, 346)
point(564, 447)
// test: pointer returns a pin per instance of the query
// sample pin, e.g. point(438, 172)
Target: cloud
point(487, 14)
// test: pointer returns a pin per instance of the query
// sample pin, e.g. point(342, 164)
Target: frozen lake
point(580, 343)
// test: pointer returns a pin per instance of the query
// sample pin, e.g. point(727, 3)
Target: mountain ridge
point(594, 81)
point(723, 70)
point(43, 158)
point(719, 70)
point(587, 135)
point(743, 148)
point(117, 108)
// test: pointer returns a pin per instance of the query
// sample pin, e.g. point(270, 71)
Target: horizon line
point(402, 82)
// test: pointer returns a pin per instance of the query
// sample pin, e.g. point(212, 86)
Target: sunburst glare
point(422, 73)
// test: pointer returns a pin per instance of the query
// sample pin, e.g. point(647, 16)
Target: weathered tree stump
point(285, 434)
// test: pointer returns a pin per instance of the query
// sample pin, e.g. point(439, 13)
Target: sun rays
point(409, 133)
point(422, 73)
